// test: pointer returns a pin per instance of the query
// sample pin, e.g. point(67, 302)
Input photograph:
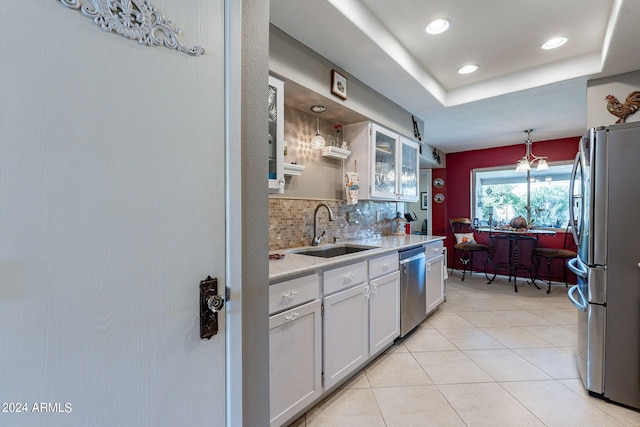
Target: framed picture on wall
point(338, 84)
point(424, 200)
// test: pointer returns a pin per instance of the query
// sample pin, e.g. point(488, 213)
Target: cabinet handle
point(292, 316)
point(349, 277)
point(429, 266)
point(288, 297)
point(386, 265)
point(374, 290)
point(366, 292)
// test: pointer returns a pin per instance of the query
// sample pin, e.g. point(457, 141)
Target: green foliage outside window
point(502, 193)
point(550, 204)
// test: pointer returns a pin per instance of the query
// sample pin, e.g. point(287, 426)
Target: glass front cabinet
point(409, 169)
point(276, 135)
point(387, 163)
point(384, 145)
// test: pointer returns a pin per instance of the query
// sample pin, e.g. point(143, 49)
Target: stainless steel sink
point(333, 250)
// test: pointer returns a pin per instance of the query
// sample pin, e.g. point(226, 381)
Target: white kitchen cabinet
point(361, 317)
point(295, 346)
point(387, 163)
point(276, 135)
point(409, 170)
point(345, 332)
point(295, 351)
point(435, 285)
point(384, 311)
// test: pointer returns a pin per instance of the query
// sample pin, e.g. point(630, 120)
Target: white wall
point(322, 176)
point(255, 221)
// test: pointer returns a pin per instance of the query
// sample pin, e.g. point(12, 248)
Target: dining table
point(515, 238)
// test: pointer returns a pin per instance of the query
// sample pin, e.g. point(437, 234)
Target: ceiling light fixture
point(318, 142)
point(468, 69)
point(554, 43)
point(525, 163)
point(438, 26)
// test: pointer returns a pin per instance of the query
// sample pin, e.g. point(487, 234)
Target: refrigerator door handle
point(574, 267)
point(572, 201)
point(582, 305)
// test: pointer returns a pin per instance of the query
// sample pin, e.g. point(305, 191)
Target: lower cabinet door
point(345, 331)
point(295, 351)
point(384, 315)
point(435, 282)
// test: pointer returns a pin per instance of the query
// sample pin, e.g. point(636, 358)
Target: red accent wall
point(457, 189)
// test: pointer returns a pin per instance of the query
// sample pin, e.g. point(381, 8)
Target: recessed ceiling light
point(468, 69)
point(438, 26)
point(554, 43)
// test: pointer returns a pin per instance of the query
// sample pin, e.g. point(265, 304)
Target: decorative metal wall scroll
point(436, 155)
point(416, 131)
point(135, 20)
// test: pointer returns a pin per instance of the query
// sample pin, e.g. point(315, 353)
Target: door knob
point(215, 303)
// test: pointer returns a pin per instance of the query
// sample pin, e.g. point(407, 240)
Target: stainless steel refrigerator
point(605, 201)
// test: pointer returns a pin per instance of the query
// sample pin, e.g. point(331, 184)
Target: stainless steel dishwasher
point(413, 298)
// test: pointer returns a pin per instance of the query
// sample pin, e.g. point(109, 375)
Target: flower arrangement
point(338, 129)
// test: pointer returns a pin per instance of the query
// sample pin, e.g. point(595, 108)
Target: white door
point(111, 212)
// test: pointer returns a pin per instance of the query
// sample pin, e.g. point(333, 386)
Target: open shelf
point(292, 169)
point(335, 152)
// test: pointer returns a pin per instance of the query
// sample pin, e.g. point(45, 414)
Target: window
point(540, 196)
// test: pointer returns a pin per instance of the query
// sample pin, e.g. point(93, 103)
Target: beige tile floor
point(487, 357)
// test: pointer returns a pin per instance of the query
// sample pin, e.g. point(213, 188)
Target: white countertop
point(293, 264)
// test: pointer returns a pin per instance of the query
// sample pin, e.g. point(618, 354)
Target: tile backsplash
point(291, 221)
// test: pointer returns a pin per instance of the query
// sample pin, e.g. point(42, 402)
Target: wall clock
point(438, 183)
point(438, 198)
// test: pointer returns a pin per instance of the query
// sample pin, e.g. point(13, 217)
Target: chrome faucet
point(316, 239)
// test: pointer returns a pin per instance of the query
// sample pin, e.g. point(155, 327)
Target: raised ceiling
point(517, 86)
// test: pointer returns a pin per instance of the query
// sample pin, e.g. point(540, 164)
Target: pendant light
point(529, 160)
point(317, 142)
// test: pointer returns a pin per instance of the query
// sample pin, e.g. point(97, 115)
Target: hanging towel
point(352, 187)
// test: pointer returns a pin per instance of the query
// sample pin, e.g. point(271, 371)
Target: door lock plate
point(210, 305)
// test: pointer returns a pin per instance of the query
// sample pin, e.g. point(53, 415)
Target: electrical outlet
point(378, 215)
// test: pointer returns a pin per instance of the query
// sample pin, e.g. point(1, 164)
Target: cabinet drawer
point(293, 292)
point(344, 277)
point(383, 265)
point(433, 249)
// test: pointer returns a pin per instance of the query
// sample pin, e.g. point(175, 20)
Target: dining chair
point(462, 229)
point(565, 253)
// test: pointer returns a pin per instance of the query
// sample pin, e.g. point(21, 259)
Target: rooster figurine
point(622, 111)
